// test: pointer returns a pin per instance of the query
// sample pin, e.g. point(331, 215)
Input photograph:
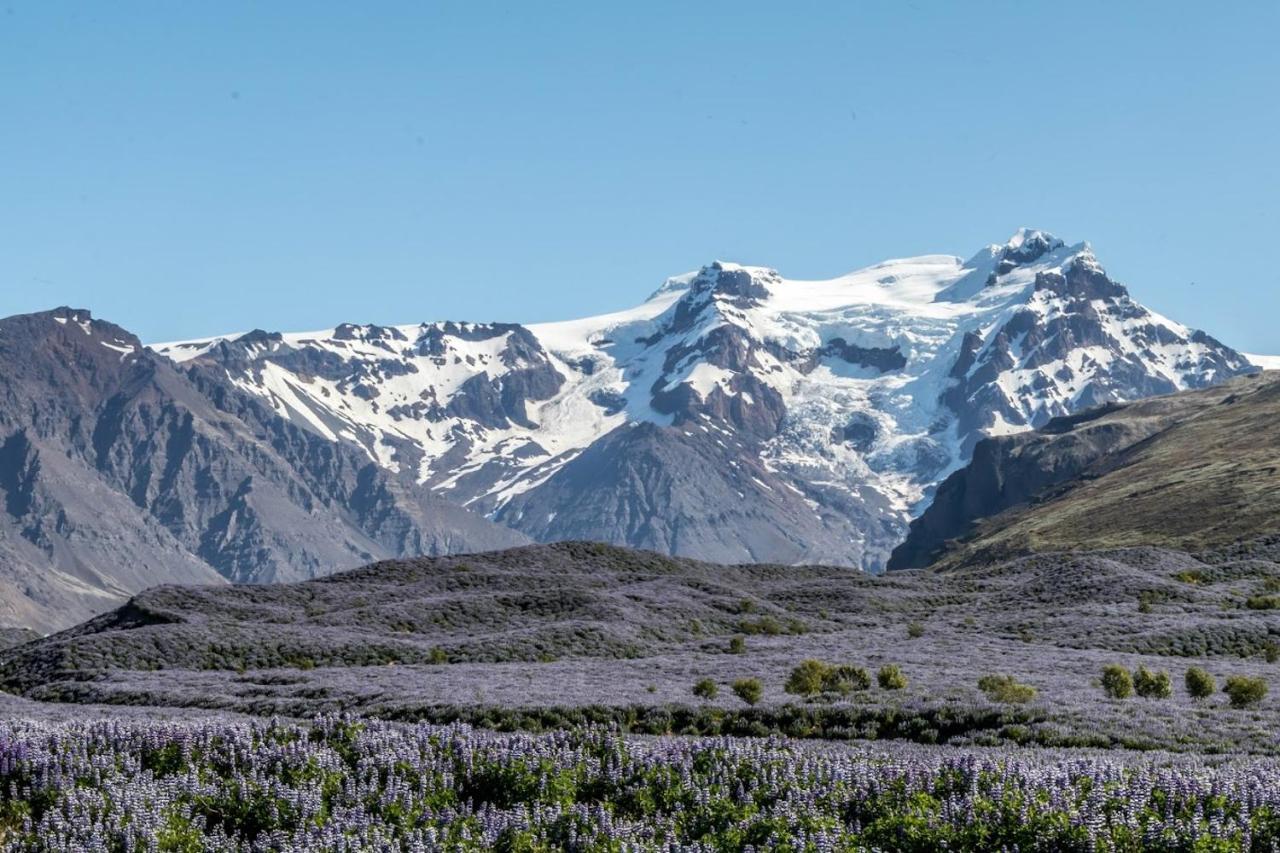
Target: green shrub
point(915, 630)
point(890, 677)
point(1152, 685)
point(748, 690)
point(1116, 681)
point(797, 627)
point(807, 678)
point(737, 645)
point(437, 656)
point(764, 625)
point(1271, 651)
point(1003, 688)
point(1191, 576)
point(1200, 684)
point(845, 679)
point(1244, 691)
point(1263, 602)
point(706, 689)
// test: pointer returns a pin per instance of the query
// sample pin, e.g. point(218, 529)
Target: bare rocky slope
point(118, 471)
point(1193, 471)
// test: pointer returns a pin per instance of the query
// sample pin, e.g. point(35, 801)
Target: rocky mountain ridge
point(118, 470)
point(1195, 471)
point(736, 415)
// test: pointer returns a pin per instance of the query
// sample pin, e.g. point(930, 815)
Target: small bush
point(1003, 688)
point(915, 630)
point(706, 689)
point(737, 645)
point(1116, 681)
point(845, 679)
point(1152, 685)
point(1191, 576)
point(437, 656)
point(1200, 684)
point(807, 678)
point(748, 690)
point(764, 625)
point(1271, 651)
point(1263, 602)
point(1244, 691)
point(890, 677)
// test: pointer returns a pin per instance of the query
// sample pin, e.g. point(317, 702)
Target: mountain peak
point(824, 410)
point(1028, 244)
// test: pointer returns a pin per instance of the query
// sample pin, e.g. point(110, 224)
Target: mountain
point(735, 415)
point(119, 471)
point(1193, 471)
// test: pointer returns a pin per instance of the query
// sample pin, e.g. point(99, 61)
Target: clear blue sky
point(193, 168)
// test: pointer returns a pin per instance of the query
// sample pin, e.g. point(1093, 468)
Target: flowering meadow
point(344, 783)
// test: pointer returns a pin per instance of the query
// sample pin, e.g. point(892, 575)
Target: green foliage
point(179, 835)
point(1116, 681)
point(807, 678)
point(812, 677)
point(1191, 576)
point(1263, 602)
point(890, 677)
point(737, 645)
point(437, 656)
point(1152, 685)
point(1004, 688)
point(915, 630)
point(706, 689)
point(1200, 684)
point(767, 625)
point(749, 690)
point(845, 679)
point(1244, 691)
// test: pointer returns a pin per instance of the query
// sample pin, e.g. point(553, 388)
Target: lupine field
point(344, 783)
point(577, 697)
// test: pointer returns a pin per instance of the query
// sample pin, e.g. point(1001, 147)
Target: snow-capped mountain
point(119, 472)
point(735, 415)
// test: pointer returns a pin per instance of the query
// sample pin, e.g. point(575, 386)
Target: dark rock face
point(1004, 473)
point(883, 359)
point(118, 471)
point(1189, 470)
point(680, 491)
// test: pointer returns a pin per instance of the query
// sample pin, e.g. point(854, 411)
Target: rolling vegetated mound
point(1191, 471)
point(554, 634)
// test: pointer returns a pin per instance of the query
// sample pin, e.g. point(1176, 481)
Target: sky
point(186, 169)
